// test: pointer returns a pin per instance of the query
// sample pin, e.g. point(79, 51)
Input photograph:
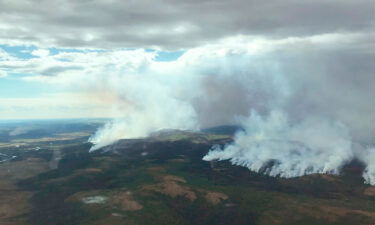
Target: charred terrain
point(51, 178)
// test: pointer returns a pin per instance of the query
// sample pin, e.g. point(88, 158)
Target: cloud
point(75, 64)
point(3, 73)
point(40, 52)
point(173, 24)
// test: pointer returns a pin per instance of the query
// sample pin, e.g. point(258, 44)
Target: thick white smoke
point(147, 104)
point(277, 147)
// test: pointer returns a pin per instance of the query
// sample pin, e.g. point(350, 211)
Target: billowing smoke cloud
point(302, 101)
point(193, 92)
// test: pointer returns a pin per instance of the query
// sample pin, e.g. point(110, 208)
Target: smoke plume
point(303, 103)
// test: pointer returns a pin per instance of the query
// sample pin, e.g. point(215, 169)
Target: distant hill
point(225, 129)
point(32, 129)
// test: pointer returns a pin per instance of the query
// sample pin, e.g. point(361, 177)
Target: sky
point(51, 50)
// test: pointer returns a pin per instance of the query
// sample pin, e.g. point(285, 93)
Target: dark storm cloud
point(172, 24)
